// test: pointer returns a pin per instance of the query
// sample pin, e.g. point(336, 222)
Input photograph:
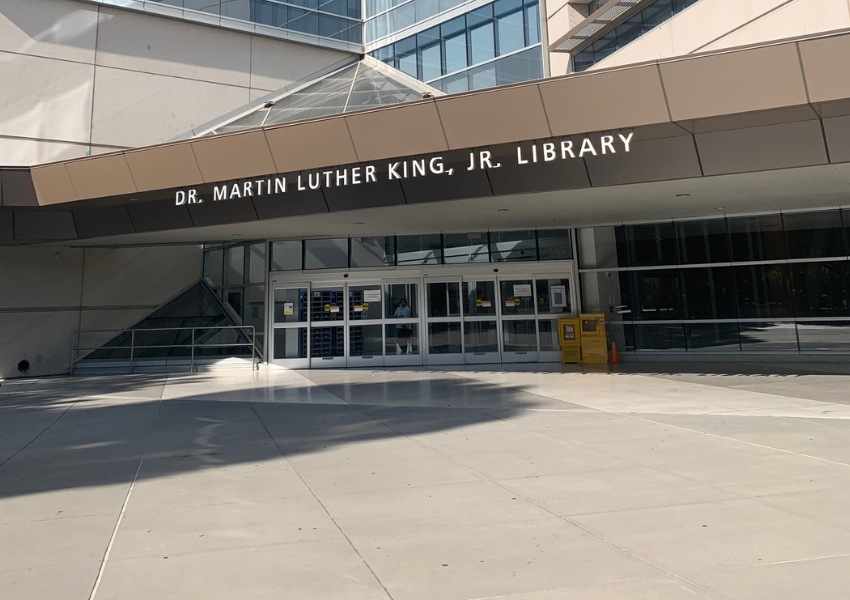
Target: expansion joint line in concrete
point(52, 423)
point(316, 498)
point(118, 522)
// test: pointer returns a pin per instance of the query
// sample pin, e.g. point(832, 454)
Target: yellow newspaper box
point(570, 339)
point(594, 338)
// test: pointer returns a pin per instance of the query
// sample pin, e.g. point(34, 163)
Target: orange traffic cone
point(615, 356)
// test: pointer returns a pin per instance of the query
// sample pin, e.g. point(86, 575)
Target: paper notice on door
point(486, 304)
point(522, 290)
point(334, 308)
point(509, 303)
point(371, 295)
point(558, 296)
point(358, 308)
point(288, 309)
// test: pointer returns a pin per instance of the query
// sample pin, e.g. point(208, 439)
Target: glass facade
point(425, 249)
point(771, 283)
point(237, 275)
point(492, 45)
point(629, 30)
point(334, 19)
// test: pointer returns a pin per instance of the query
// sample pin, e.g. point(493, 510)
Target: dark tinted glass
point(768, 337)
point(703, 241)
point(657, 295)
point(824, 336)
point(286, 256)
point(712, 337)
point(513, 245)
point(710, 293)
point(602, 247)
point(372, 251)
point(757, 238)
point(465, 247)
point(420, 249)
point(326, 254)
point(821, 289)
point(609, 292)
point(652, 245)
point(660, 337)
point(815, 235)
point(554, 244)
point(763, 291)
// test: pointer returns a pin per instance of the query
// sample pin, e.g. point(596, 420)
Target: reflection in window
point(444, 338)
point(824, 336)
point(509, 246)
point(652, 245)
point(554, 244)
point(657, 295)
point(444, 299)
point(519, 336)
point(769, 337)
point(703, 241)
point(372, 251)
point(713, 337)
point(660, 337)
point(710, 293)
point(465, 247)
point(815, 235)
point(602, 247)
point(326, 254)
point(821, 289)
point(286, 256)
point(608, 293)
point(763, 291)
point(420, 249)
point(757, 238)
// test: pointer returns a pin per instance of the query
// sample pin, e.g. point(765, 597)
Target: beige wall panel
point(44, 98)
point(649, 160)
point(233, 156)
point(410, 129)
point(311, 145)
point(49, 28)
point(597, 102)
point(837, 130)
point(101, 177)
point(559, 63)
point(164, 167)
point(35, 276)
point(18, 152)
point(30, 335)
point(559, 23)
point(138, 276)
point(762, 148)
point(747, 80)
point(128, 106)
point(139, 42)
point(276, 63)
point(53, 184)
point(825, 63)
point(492, 117)
point(800, 17)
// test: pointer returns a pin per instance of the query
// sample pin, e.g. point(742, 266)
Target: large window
point(768, 283)
point(492, 45)
point(627, 31)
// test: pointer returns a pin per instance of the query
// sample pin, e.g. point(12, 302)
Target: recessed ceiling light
point(236, 235)
point(503, 210)
point(719, 208)
point(556, 220)
point(682, 195)
point(359, 223)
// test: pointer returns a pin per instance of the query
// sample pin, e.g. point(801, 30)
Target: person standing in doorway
point(403, 330)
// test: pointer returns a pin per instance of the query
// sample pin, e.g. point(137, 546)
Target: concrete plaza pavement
point(538, 483)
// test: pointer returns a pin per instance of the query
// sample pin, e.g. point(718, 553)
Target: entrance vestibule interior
point(453, 315)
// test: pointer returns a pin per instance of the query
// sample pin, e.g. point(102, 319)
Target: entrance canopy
point(699, 134)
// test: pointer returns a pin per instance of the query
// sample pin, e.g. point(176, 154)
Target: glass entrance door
point(401, 325)
point(480, 321)
point(290, 322)
point(327, 327)
point(519, 327)
point(443, 322)
point(365, 325)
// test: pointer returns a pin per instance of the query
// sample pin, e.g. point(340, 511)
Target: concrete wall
point(717, 24)
point(559, 17)
point(47, 293)
point(78, 78)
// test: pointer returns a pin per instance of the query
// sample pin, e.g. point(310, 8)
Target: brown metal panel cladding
point(752, 119)
point(604, 101)
point(649, 160)
point(734, 82)
point(311, 145)
point(219, 213)
point(53, 184)
point(164, 167)
point(233, 156)
point(837, 130)
point(762, 148)
point(404, 131)
point(101, 176)
point(159, 215)
point(826, 68)
point(16, 188)
point(493, 117)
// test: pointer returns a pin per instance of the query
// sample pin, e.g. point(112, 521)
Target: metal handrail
point(76, 347)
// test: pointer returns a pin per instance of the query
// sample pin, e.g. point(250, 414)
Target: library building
point(412, 184)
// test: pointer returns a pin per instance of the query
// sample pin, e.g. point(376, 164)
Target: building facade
point(420, 183)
